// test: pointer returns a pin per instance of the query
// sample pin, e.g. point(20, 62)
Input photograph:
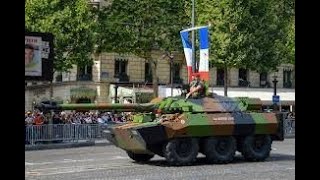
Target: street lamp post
point(275, 81)
point(116, 93)
point(170, 56)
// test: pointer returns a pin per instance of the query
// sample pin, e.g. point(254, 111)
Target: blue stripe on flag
point(204, 39)
point(185, 40)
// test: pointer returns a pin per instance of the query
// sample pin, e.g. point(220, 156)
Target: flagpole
point(193, 40)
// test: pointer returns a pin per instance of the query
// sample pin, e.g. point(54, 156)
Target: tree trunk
point(154, 77)
point(51, 86)
point(51, 90)
point(225, 80)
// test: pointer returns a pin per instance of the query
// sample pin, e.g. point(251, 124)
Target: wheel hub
point(222, 146)
point(258, 143)
point(183, 149)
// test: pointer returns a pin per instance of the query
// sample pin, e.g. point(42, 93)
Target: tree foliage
point(249, 33)
point(244, 33)
point(72, 24)
point(139, 27)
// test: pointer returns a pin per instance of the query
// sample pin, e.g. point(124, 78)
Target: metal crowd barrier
point(289, 127)
point(35, 134)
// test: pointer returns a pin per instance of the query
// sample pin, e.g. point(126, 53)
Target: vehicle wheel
point(256, 148)
point(239, 144)
point(139, 157)
point(220, 149)
point(182, 151)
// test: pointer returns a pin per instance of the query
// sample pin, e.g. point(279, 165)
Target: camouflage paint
point(208, 116)
point(128, 140)
point(260, 123)
point(147, 107)
point(220, 116)
point(272, 123)
point(222, 123)
point(244, 123)
point(198, 125)
point(176, 126)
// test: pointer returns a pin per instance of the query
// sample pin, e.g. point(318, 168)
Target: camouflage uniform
point(193, 83)
point(199, 93)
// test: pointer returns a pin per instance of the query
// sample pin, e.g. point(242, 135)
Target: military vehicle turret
point(178, 129)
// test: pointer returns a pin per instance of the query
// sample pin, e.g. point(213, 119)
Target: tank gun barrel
point(108, 107)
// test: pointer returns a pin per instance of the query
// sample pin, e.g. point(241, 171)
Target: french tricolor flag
point(204, 54)
point(203, 69)
point(187, 47)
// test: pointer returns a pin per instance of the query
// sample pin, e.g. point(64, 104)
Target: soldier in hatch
point(196, 87)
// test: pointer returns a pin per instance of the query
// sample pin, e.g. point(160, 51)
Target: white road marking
point(56, 162)
point(76, 169)
point(119, 157)
point(70, 161)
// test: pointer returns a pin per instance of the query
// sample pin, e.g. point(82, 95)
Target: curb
point(65, 145)
point(290, 137)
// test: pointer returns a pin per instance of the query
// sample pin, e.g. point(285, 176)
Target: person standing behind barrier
point(28, 126)
point(29, 119)
point(38, 120)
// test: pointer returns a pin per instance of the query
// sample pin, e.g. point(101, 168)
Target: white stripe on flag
point(204, 52)
point(188, 55)
point(204, 60)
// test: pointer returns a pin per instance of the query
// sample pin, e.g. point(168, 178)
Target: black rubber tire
point(256, 148)
point(181, 151)
point(239, 144)
point(220, 150)
point(140, 157)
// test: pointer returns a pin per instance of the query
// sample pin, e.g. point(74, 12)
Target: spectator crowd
point(72, 117)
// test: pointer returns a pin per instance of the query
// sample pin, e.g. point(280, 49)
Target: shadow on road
point(237, 160)
point(281, 157)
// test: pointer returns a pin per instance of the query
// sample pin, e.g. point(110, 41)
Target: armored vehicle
point(178, 129)
point(214, 126)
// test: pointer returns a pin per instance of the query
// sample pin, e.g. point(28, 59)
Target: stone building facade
point(92, 83)
point(110, 68)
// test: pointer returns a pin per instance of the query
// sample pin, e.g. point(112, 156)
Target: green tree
point(71, 22)
point(247, 33)
point(285, 11)
point(141, 27)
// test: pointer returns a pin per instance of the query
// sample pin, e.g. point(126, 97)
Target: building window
point(243, 78)
point(84, 73)
point(264, 80)
point(120, 69)
point(287, 78)
point(147, 72)
point(176, 73)
point(220, 77)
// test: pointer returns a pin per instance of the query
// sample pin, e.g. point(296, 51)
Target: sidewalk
point(100, 142)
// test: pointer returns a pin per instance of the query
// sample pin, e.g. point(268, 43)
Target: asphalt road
point(109, 162)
